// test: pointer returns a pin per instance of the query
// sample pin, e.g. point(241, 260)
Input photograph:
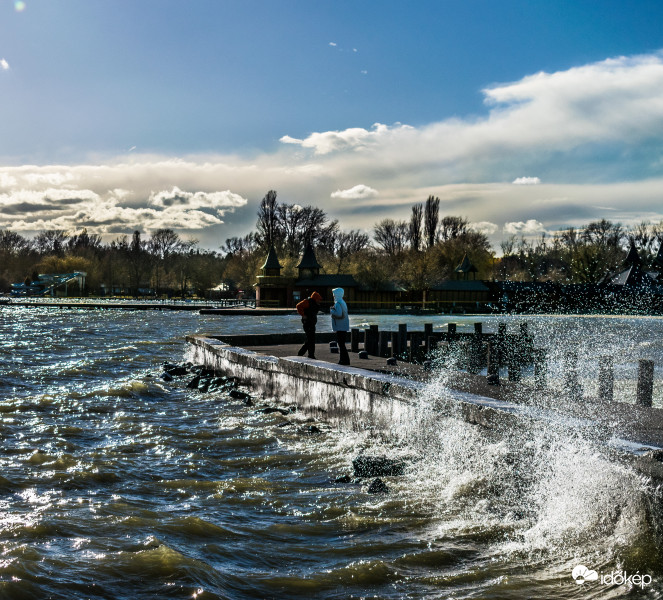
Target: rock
point(377, 466)
point(392, 362)
point(378, 487)
point(343, 479)
point(248, 402)
point(238, 394)
point(311, 430)
point(175, 370)
point(166, 376)
point(284, 424)
point(428, 365)
point(272, 409)
point(203, 384)
point(363, 354)
point(193, 384)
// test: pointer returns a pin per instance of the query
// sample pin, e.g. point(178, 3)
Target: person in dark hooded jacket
point(308, 310)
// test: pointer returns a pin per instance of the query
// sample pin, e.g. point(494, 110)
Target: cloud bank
point(591, 133)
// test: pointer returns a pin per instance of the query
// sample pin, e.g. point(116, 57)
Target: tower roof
point(633, 258)
point(309, 261)
point(465, 266)
point(272, 261)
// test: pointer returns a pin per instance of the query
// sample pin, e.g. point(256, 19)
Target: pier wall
point(361, 399)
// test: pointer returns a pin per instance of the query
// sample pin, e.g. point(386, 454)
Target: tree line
point(414, 253)
point(163, 263)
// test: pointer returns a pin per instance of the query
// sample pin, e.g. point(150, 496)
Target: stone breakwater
point(360, 399)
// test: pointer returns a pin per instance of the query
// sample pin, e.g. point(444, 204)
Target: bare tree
point(391, 235)
point(267, 224)
point(51, 241)
point(431, 220)
point(415, 226)
point(347, 243)
point(453, 227)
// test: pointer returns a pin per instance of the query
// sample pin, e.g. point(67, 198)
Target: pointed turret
point(309, 266)
point(272, 267)
point(465, 268)
point(633, 258)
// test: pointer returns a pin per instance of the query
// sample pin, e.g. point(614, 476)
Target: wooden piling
point(395, 344)
point(383, 341)
point(493, 377)
point(571, 378)
point(416, 337)
point(402, 339)
point(606, 379)
point(645, 389)
point(540, 368)
point(354, 339)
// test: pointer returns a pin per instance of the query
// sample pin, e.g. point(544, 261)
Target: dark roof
point(309, 261)
point(321, 281)
point(272, 261)
point(633, 258)
point(634, 276)
point(456, 285)
point(465, 266)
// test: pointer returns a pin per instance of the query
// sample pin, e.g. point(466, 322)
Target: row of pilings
point(493, 352)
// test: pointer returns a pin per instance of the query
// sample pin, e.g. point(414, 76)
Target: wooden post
point(493, 377)
point(431, 345)
point(540, 368)
point(513, 366)
point(368, 334)
point(402, 339)
point(375, 332)
point(501, 342)
point(416, 337)
point(395, 348)
point(354, 339)
point(571, 379)
point(384, 338)
point(606, 379)
point(645, 388)
point(428, 332)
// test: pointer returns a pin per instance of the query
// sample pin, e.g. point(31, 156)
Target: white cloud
point(529, 227)
point(358, 192)
point(484, 227)
point(597, 122)
point(526, 181)
point(332, 43)
point(4, 65)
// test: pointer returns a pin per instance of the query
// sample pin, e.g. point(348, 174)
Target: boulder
point(378, 487)
point(377, 466)
point(363, 354)
point(165, 376)
point(193, 384)
point(238, 394)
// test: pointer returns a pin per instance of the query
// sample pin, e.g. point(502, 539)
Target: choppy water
point(115, 484)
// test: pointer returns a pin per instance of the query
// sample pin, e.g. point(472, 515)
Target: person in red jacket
point(308, 310)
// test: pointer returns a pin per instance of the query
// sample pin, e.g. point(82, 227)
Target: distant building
point(276, 290)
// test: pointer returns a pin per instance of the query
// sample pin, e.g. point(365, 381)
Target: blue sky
point(523, 116)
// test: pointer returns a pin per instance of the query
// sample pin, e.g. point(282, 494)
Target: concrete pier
point(384, 397)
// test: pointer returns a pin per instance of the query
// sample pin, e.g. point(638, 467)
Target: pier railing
point(497, 354)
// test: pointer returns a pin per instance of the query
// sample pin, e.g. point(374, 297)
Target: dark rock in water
point(202, 370)
point(176, 370)
point(166, 376)
point(363, 354)
point(248, 402)
point(272, 409)
point(203, 385)
point(428, 365)
point(391, 361)
point(284, 424)
point(378, 487)
point(377, 466)
point(193, 384)
point(238, 394)
point(312, 429)
point(343, 479)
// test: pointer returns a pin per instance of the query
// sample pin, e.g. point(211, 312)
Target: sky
point(524, 116)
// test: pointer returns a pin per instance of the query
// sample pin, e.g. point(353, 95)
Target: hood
point(317, 297)
point(338, 293)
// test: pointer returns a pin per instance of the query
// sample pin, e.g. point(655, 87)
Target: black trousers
point(309, 345)
point(344, 358)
